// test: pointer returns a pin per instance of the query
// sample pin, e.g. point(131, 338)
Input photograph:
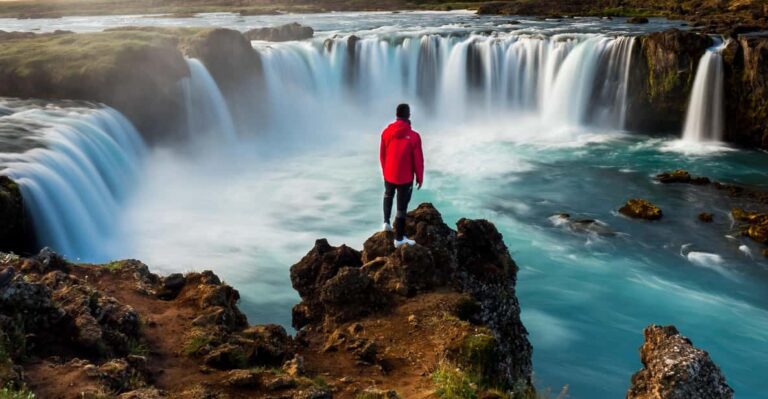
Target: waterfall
point(80, 166)
point(208, 115)
point(704, 120)
point(564, 79)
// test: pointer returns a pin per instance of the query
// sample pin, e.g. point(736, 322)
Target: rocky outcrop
point(12, 228)
point(662, 79)
point(282, 33)
point(134, 72)
point(637, 208)
point(340, 284)
point(746, 90)
point(674, 369)
point(234, 65)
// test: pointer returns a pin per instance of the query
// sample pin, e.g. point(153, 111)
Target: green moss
point(453, 383)
point(137, 348)
point(197, 342)
point(478, 356)
point(10, 393)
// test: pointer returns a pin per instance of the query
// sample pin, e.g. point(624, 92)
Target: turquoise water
point(585, 298)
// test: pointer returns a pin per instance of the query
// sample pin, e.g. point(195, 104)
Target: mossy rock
point(641, 209)
point(478, 355)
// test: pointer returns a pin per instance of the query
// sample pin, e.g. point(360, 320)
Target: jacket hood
point(402, 128)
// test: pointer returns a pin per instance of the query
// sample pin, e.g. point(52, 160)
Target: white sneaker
point(406, 241)
point(386, 227)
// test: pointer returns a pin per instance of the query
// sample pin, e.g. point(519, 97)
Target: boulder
point(637, 20)
point(282, 33)
point(379, 244)
point(350, 294)
point(706, 217)
point(270, 345)
point(681, 176)
point(674, 369)
point(641, 209)
point(756, 226)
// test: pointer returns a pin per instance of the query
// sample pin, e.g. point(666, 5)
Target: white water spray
point(704, 120)
point(208, 115)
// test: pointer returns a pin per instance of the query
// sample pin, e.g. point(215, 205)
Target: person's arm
point(418, 161)
point(382, 152)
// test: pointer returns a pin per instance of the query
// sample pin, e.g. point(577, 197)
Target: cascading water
point(208, 115)
point(77, 168)
point(704, 120)
point(453, 77)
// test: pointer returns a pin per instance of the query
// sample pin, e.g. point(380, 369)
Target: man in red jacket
point(401, 161)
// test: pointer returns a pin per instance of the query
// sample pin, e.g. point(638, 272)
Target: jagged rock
point(295, 367)
point(282, 33)
point(119, 375)
point(271, 345)
point(310, 275)
point(380, 244)
point(375, 393)
point(279, 383)
point(674, 369)
point(219, 300)
point(144, 393)
point(757, 224)
point(242, 379)
point(172, 285)
point(350, 294)
point(334, 287)
point(682, 176)
point(487, 272)
point(641, 209)
point(227, 357)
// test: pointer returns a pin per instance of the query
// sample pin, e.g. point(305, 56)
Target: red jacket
point(400, 153)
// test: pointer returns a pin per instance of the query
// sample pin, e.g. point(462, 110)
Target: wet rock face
point(681, 176)
point(666, 69)
point(641, 209)
point(754, 224)
point(283, 33)
point(335, 285)
point(674, 369)
point(746, 90)
point(12, 217)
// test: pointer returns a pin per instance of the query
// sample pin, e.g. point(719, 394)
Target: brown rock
point(706, 217)
point(242, 379)
point(641, 209)
point(681, 176)
point(282, 33)
point(674, 369)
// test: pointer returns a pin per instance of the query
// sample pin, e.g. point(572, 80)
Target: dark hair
point(403, 111)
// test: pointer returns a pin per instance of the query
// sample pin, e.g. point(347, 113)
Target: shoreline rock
point(637, 208)
point(674, 369)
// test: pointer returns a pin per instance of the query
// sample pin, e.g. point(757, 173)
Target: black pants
point(404, 192)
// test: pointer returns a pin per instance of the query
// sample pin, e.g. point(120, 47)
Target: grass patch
point(193, 346)
point(10, 393)
point(137, 348)
point(453, 383)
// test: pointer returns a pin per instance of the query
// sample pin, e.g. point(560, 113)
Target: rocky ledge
point(439, 319)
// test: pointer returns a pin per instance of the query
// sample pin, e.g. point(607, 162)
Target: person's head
point(403, 111)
